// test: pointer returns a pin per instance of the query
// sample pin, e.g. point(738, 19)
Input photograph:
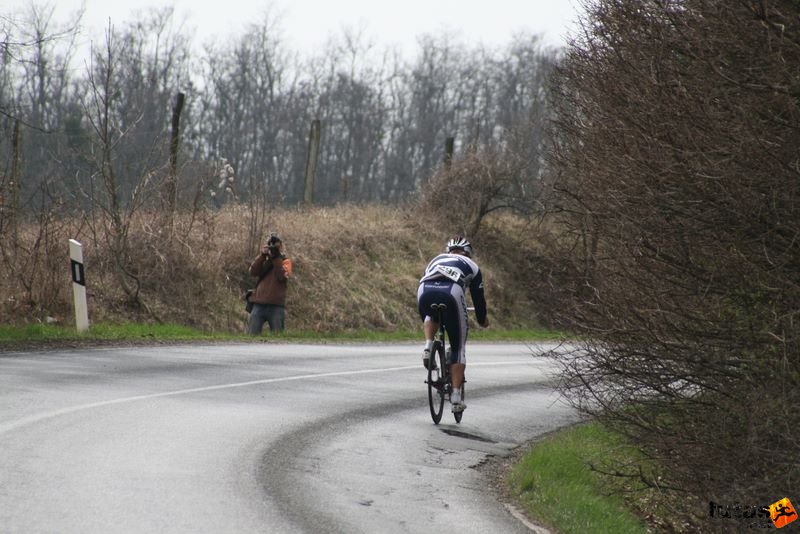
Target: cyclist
point(444, 281)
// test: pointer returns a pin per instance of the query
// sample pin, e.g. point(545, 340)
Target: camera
point(272, 244)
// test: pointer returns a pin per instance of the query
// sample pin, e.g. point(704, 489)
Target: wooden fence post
point(449, 144)
point(13, 191)
point(311, 162)
point(171, 189)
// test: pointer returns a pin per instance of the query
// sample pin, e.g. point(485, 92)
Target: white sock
point(455, 396)
point(428, 344)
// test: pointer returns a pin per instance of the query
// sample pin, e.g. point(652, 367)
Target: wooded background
point(76, 120)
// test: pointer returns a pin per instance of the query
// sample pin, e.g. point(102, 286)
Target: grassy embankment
point(355, 269)
point(43, 335)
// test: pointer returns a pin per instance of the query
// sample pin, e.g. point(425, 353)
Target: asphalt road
point(260, 438)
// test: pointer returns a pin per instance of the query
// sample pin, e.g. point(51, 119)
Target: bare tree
point(675, 148)
point(434, 93)
point(244, 106)
point(128, 146)
point(353, 117)
point(462, 195)
point(34, 90)
point(153, 58)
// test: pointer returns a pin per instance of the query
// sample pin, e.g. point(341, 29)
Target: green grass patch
point(34, 331)
point(520, 334)
point(107, 332)
point(556, 485)
point(134, 331)
point(169, 332)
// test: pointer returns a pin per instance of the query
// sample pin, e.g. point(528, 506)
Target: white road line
point(81, 407)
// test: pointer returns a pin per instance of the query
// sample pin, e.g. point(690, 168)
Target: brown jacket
point(272, 287)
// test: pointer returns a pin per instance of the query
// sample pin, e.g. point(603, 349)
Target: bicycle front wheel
point(436, 382)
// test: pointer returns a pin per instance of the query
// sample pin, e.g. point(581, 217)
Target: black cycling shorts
point(455, 322)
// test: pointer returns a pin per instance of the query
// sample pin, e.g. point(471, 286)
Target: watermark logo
point(782, 513)
point(776, 515)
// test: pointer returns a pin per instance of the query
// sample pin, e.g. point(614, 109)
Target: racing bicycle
point(439, 381)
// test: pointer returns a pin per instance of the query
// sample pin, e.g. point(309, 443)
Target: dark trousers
point(267, 313)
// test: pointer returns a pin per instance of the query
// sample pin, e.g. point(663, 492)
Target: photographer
point(273, 269)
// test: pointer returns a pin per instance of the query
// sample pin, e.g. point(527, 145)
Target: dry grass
point(355, 267)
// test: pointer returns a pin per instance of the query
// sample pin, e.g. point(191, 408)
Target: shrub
point(676, 149)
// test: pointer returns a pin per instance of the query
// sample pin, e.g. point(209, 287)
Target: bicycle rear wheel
point(436, 382)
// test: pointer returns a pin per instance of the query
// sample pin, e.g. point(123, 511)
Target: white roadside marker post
point(78, 286)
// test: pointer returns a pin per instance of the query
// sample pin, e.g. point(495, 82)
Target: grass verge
point(555, 483)
point(41, 334)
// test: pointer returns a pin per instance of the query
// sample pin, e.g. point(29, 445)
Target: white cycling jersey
point(460, 270)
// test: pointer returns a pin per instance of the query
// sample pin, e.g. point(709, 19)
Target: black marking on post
point(77, 273)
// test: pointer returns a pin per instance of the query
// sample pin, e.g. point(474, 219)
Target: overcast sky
point(308, 23)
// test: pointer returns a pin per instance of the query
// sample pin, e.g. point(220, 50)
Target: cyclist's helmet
point(460, 242)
